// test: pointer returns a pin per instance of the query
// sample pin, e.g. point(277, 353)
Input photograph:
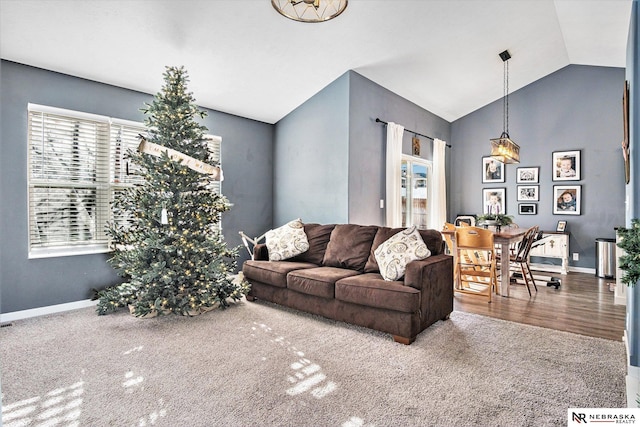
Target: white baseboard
point(41, 311)
point(583, 270)
point(552, 268)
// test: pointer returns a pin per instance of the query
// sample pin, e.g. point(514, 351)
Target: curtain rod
point(410, 131)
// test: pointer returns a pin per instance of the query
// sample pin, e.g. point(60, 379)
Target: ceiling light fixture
point(310, 10)
point(503, 148)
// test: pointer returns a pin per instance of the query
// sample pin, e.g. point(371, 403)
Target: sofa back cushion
point(349, 246)
point(432, 238)
point(318, 237)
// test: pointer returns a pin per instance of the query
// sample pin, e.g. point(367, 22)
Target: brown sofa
point(338, 278)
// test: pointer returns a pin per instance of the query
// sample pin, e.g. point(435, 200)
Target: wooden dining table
point(505, 237)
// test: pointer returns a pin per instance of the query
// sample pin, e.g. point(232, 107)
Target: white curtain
point(438, 203)
point(394, 177)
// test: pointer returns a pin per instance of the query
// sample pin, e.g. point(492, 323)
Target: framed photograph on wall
point(494, 200)
point(562, 226)
point(528, 193)
point(527, 175)
point(527, 208)
point(492, 170)
point(567, 199)
point(566, 165)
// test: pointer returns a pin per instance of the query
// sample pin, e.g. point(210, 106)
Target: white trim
point(66, 112)
point(123, 122)
point(53, 252)
point(558, 268)
point(41, 311)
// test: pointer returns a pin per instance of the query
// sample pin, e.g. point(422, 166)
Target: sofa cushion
point(398, 251)
point(318, 237)
point(349, 246)
point(317, 281)
point(370, 289)
point(272, 272)
point(433, 240)
point(382, 235)
point(287, 241)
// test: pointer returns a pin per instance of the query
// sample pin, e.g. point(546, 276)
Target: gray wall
point(24, 283)
point(367, 142)
point(329, 152)
point(575, 108)
point(311, 157)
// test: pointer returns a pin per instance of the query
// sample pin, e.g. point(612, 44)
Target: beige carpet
point(263, 365)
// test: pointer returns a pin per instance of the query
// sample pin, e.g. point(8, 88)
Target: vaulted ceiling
point(244, 58)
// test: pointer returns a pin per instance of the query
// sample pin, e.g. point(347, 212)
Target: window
point(76, 166)
point(416, 177)
point(76, 163)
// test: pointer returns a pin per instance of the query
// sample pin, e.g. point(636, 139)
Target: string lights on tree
point(167, 242)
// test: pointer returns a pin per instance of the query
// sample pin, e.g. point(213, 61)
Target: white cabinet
point(554, 244)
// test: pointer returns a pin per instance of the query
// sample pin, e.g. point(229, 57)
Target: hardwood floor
point(583, 304)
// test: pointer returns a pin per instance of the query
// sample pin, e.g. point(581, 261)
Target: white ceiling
point(244, 58)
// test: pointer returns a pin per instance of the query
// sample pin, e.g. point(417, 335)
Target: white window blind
point(123, 173)
point(215, 144)
point(77, 163)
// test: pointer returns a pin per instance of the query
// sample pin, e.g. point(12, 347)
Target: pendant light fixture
point(310, 10)
point(504, 149)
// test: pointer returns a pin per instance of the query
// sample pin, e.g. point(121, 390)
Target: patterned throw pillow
point(399, 250)
point(287, 241)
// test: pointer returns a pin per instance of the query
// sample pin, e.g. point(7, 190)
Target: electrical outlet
point(381, 203)
point(576, 256)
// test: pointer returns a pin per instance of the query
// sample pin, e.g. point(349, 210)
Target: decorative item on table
point(494, 220)
point(562, 226)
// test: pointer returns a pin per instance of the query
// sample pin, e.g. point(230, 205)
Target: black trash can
point(606, 258)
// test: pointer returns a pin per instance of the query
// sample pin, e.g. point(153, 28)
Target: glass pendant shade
point(310, 10)
point(504, 149)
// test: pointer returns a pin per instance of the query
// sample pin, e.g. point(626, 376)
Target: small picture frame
point(527, 193)
point(528, 208)
point(415, 146)
point(494, 200)
point(566, 165)
point(562, 226)
point(492, 170)
point(567, 199)
point(528, 175)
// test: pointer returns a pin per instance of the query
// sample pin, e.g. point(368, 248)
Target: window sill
point(68, 251)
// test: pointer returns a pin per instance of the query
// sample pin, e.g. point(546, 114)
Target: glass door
point(416, 176)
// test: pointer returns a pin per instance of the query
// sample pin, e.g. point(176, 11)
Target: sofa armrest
point(260, 252)
point(428, 273)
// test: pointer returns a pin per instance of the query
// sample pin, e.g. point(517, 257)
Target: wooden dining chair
point(447, 238)
point(520, 258)
point(475, 261)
